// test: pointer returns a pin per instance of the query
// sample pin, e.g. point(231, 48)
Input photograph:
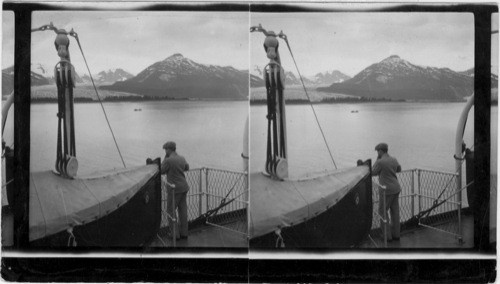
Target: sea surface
point(207, 133)
point(420, 135)
point(210, 134)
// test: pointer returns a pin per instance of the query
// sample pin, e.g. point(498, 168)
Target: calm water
point(420, 135)
point(208, 134)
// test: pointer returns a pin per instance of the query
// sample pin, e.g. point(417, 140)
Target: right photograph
point(362, 130)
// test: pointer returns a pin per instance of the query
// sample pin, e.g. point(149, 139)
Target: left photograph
point(139, 129)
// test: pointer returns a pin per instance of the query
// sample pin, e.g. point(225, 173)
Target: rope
point(7, 183)
point(164, 244)
point(456, 172)
point(99, 98)
point(223, 201)
point(436, 203)
point(310, 102)
point(279, 239)
point(72, 238)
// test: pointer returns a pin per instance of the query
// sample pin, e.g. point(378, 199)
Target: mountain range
point(494, 78)
point(396, 78)
point(104, 77)
point(109, 77)
point(48, 73)
point(42, 75)
point(8, 80)
point(180, 77)
point(329, 78)
point(320, 79)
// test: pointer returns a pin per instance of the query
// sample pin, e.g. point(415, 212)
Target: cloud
point(351, 42)
point(134, 40)
point(7, 38)
point(320, 41)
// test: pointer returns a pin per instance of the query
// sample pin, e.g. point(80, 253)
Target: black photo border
point(237, 269)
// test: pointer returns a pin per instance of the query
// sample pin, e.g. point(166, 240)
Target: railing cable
point(436, 202)
point(223, 201)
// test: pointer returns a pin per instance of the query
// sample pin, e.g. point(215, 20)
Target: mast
point(274, 77)
point(64, 74)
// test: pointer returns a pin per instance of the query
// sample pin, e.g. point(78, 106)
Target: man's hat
point(382, 146)
point(169, 145)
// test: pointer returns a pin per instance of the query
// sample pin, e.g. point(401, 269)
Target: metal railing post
point(382, 190)
point(412, 193)
point(247, 193)
point(200, 196)
point(174, 220)
point(419, 190)
point(247, 204)
point(459, 204)
point(207, 187)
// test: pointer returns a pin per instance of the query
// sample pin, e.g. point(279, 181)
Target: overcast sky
point(134, 40)
point(350, 42)
point(345, 41)
point(7, 39)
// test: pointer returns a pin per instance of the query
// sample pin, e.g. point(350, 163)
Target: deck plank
point(208, 236)
point(423, 237)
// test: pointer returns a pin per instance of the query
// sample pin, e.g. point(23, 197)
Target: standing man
point(174, 166)
point(386, 168)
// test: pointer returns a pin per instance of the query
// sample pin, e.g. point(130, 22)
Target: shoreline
point(251, 102)
point(90, 101)
point(350, 101)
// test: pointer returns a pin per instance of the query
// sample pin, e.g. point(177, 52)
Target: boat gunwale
point(320, 210)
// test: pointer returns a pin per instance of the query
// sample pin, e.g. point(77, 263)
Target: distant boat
point(354, 111)
point(137, 109)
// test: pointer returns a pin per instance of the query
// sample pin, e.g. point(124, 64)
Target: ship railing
point(378, 234)
point(421, 190)
point(216, 198)
point(230, 188)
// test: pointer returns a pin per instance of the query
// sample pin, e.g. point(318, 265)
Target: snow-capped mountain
point(48, 72)
point(396, 78)
point(320, 79)
point(8, 80)
point(181, 77)
point(468, 72)
point(290, 79)
point(494, 78)
point(328, 78)
point(109, 77)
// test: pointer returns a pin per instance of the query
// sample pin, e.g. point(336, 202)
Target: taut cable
point(98, 97)
point(310, 102)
